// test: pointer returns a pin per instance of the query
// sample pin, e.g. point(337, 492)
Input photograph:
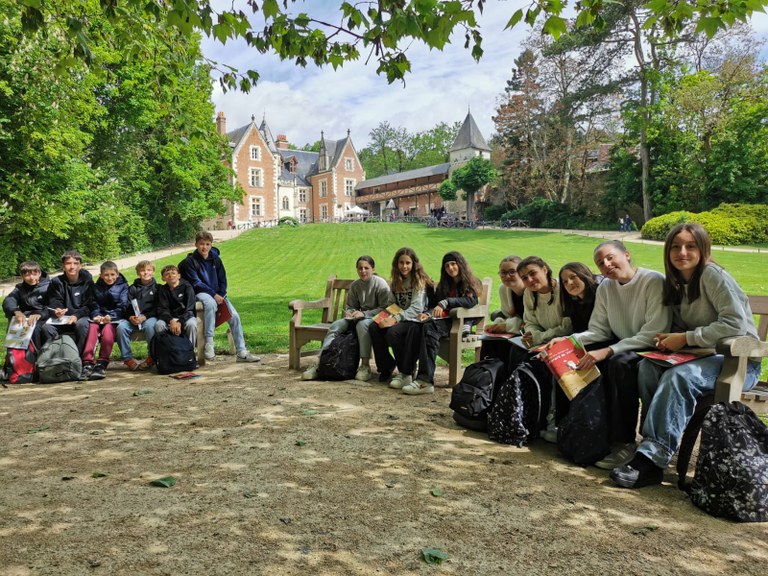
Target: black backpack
point(474, 394)
point(340, 359)
point(519, 409)
point(59, 361)
point(582, 435)
point(731, 478)
point(173, 353)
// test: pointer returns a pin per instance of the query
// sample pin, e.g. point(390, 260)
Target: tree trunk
point(470, 205)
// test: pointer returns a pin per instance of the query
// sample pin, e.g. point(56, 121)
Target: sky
point(441, 87)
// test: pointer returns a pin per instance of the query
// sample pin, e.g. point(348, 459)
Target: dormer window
point(255, 153)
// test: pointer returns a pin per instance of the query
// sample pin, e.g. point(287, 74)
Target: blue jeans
point(209, 321)
point(124, 331)
point(363, 336)
point(670, 395)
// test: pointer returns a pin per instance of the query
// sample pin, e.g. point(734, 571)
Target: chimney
point(282, 142)
point(221, 123)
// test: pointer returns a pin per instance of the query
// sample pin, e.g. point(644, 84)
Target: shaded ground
point(279, 476)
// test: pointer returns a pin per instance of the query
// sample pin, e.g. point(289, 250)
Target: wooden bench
point(728, 388)
point(332, 306)
point(452, 347)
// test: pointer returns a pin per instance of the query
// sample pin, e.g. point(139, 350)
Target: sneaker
point(310, 374)
point(85, 373)
point(363, 373)
point(620, 455)
point(639, 472)
point(549, 435)
point(246, 356)
point(418, 387)
point(99, 371)
point(131, 364)
point(398, 381)
point(210, 353)
point(147, 364)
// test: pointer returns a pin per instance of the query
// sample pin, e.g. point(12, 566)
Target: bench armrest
point(742, 347)
point(307, 304)
point(479, 311)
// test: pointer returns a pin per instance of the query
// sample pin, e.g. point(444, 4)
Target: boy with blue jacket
point(204, 269)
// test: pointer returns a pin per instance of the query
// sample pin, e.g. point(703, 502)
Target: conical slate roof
point(469, 136)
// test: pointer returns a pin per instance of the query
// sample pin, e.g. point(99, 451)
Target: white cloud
point(302, 102)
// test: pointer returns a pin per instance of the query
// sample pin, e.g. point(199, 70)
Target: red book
point(680, 357)
point(561, 359)
point(222, 313)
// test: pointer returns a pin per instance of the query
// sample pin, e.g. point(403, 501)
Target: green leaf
point(555, 26)
point(709, 26)
point(270, 8)
point(249, 494)
point(38, 429)
point(516, 17)
point(164, 482)
point(142, 392)
point(301, 442)
point(433, 555)
point(310, 412)
point(437, 492)
point(99, 475)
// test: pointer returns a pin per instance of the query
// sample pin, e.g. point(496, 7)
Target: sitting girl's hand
point(671, 342)
point(423, 317)
point(495, 328)
point(438, 312)
point(553, 342)
point(356, 315)
point(527, 339)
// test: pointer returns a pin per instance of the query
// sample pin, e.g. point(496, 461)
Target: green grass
point(267, 268)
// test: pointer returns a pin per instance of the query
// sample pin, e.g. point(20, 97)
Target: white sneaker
point(620, 455)
point(210, 353)
point(550, 433)
point(363, 373)
point(310, 374)
point(418, 387)
point(398, 381)
point(246, 356)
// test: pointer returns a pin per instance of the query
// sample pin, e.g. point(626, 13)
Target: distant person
point(26, 302)
point(627, 223)
point(70, 299)
point(110, 299)
point(176, 306)
point(143, 292)
point(204, 269)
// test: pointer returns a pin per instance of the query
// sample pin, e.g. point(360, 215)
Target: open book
point(562, 358)
point(496, 335)
point(388, 312)
point(669, 359)
point(58, 321)
point(18, 335)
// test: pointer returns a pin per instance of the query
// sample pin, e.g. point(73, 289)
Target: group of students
point(616, 314)
point(108, 310)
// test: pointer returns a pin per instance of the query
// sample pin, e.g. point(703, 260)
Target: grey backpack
point(59, 361)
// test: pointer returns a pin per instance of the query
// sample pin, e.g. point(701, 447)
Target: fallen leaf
point(98, 475)
point(311, 412)
point(165, 482)
point(38, 429)
point(301, 442)
point(436, 492)
point(142, 392)
point(433, 555)
point(249, 494)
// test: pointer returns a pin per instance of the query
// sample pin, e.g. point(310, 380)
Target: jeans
point(189, 329)
point(433, 331)
point(670, 395)
point(104, 333)
point(124, 331)
point(362, 328)
point(209, 320)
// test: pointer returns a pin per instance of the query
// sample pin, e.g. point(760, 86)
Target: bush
point(288, 221)
point(373, 220)
point(728, 224)
point(541, 213)
point(493, 213)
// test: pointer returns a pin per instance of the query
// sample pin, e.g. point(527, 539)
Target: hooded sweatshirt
point(207, 276)
point(76, 297)
point(28, 299)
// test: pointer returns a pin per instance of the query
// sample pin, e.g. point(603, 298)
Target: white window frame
point(349, 164)
point(254, 153)
point(302, 214)
point(303, 196)
point(256, 207)
point(323, 188)
point(324, 211)
point(349, 186)
point(255, 177)
point(286, 203)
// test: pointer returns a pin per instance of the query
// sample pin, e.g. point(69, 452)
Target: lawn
point(267, 268)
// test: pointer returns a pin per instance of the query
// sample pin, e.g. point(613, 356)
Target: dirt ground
point(278, 476)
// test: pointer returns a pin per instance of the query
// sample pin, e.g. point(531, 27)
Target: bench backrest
point(759, 305)
point(336, 292)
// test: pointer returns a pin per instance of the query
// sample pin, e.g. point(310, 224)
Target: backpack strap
point(691, 434)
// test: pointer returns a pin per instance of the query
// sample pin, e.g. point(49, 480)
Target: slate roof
point(437, 169)
point(307, 161)
point(469, 136)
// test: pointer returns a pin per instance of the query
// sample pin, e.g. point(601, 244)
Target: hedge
point(728, 224)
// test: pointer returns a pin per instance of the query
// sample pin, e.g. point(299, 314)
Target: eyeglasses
point(507, 273)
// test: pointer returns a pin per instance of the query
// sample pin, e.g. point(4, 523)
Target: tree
point(471, 178)
point(383, 29)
